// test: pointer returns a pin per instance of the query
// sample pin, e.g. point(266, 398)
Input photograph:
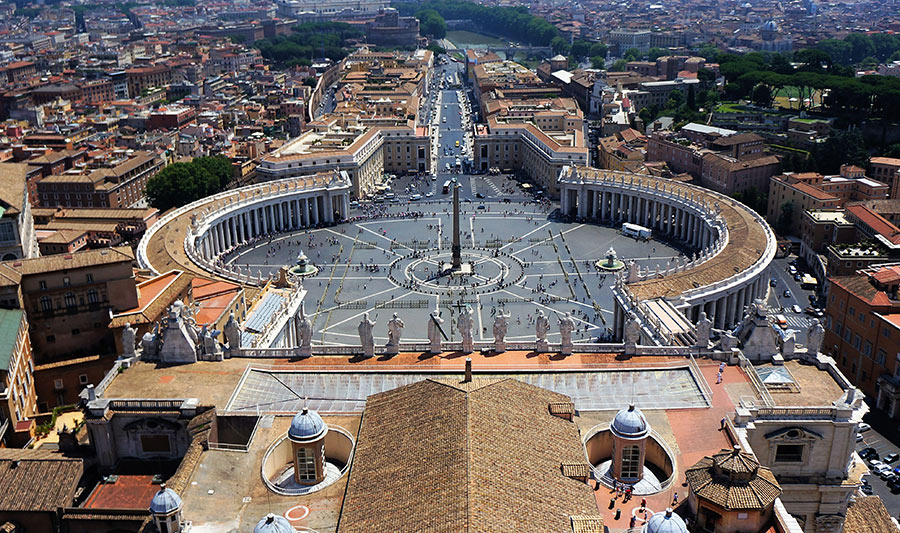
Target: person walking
point(719, 378)
point(674, 499)
point(722, 423)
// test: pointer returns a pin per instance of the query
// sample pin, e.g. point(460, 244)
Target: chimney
point(468, 378)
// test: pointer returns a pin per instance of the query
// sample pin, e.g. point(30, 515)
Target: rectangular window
point(789, 453)
point(155, 443)
point(306, 465)
point(880, 357)
point(57, 384)
point(83, 379)
point(7, 233)
point(867, 348)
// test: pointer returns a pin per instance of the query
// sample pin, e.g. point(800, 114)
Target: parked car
point(890, 458)
point(868, 491)
point(859, 437)
point(862, 426)
point(865, 452)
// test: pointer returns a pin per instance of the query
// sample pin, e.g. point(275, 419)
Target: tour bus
point(808, 282)
point(635, 231)
point(446, 187)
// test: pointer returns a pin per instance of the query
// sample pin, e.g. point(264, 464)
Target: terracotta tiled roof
point(440, 455)
point(36, 480)
point(733, 480)
point(868, 515)
point(50, 263)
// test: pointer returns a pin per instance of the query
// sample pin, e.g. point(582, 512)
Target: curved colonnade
point(734, 245)
point(222, 223)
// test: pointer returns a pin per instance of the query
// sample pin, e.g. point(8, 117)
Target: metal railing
point(758, 385)
point(224, 446)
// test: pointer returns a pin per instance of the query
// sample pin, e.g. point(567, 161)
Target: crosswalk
point(794, 320)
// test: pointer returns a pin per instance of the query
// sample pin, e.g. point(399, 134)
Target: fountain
point(612, 262)
point(303, 267)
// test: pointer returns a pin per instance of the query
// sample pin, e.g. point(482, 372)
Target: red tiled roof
point(878, 223)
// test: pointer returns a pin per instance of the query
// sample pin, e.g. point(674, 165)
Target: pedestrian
point(675, 499)
point(718, 378)
point(722, 423)
point(722, 367)
point(632, 522)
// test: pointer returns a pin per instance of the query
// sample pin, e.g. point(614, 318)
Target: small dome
point(665, 522)
point(165, 501)
point(307, 426)
point(273, 524)
point(770, 26)
point(630, 423)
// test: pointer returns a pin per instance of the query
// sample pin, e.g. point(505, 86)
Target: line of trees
point(182, 183)
point(308, 41)
point(759, 78)
point(514, 23)
point(431, 24)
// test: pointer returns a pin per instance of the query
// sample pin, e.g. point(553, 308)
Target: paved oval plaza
point(522, 259)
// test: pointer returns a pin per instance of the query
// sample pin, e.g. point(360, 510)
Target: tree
point(762, 95)
point(691, 98)
point(618, 66)
point(786, 219)
point(181, 183)
point(559, 46)
point(632, 54)
point(655, 53)
point(598, 62)
point(432, 24)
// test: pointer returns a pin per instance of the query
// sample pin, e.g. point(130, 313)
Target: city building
point(117, 183)
point(18, 402)
point(17, 235)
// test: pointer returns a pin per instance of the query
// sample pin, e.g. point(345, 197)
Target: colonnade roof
point(746, 242)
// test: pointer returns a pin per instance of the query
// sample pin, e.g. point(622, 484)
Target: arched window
point(70, 300)
point(631, 459)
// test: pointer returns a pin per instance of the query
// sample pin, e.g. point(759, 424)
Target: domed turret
point(630, 430)
point(165, 509)
point(307, 426)
point(665, 522)
point(307, 435)
point(630, 423)
point(273, 524)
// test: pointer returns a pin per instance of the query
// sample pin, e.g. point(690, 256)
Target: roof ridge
point(468, 462)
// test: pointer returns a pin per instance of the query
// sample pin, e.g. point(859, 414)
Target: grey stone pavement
point(367, 266)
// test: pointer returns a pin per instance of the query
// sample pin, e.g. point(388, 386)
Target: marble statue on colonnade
point(566, 326)
point(501, 324)
point(128, 339)
point(704, 326)
point(366, 338)
point(541, 327)
point(304, 333)
point(395, 331)
point(434, 331)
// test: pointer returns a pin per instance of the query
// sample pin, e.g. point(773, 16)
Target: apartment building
point(18, 402)
point(120, 182)
point(519, 144)
point(17, 237)
point(810, 190)
point(862, 332)
point(886, 170)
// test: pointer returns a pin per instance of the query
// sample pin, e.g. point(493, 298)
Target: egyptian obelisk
point(457, 260)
